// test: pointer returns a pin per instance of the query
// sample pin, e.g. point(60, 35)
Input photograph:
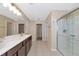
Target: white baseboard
point(59, 54)
point(53, 49)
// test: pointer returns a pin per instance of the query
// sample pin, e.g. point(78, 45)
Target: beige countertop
point(10, 41)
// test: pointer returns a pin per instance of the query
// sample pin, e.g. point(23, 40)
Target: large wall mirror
point(8, 26)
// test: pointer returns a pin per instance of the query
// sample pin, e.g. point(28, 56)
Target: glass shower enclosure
point(68, 34)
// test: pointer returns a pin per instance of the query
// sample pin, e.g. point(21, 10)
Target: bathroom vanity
point(15, 45)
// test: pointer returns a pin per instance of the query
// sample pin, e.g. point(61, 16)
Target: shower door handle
point(72, 35)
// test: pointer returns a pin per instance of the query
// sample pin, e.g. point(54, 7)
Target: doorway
point(21, 28)
point(39, 31)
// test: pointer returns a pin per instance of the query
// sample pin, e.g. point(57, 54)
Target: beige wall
point(26, 28)
point(48, 22)
point(52, 27)
point(3, 26)
point(54, 17)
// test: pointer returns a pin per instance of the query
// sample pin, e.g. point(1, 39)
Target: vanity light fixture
point(12, 8)
point(15, 10)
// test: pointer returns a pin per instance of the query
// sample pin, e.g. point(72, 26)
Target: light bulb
point(19, 13)
point(10, 8)
point(14, 9)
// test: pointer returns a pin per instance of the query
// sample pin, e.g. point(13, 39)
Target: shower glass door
point(67, 38)
point(64, 44)
point(75, 36)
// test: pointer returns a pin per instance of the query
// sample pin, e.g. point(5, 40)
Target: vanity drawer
point(14, 50)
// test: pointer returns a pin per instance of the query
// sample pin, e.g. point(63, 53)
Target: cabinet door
point(21, 52)
point(15, 54)
point(27, 45)
point(30, 42)
point(14, 50)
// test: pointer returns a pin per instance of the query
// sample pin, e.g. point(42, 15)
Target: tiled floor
point(41, 48)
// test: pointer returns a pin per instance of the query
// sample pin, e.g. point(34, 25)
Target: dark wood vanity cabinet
point(21, 52)
point(28, 44)
point(14, 50)
point(21, 49)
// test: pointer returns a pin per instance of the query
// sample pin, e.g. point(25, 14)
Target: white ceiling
point(39, 11)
